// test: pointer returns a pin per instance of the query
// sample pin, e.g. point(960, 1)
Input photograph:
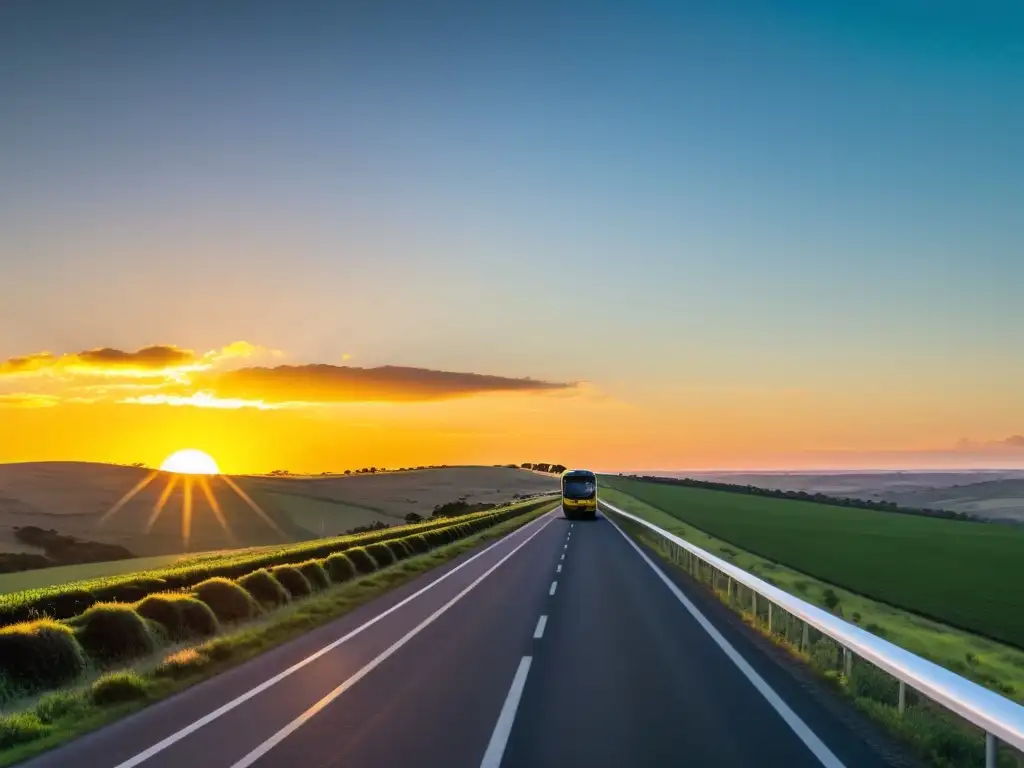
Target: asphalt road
point(559, 645)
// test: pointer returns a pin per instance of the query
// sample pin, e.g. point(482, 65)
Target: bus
point(579, 494)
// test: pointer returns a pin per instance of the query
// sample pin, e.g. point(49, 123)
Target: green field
point(964, 574)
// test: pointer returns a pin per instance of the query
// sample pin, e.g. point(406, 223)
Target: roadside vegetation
point(117, 657)
point(963, 574)
point(938, 736)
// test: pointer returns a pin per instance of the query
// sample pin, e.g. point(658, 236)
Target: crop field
point(960, 573)
point(65, 600)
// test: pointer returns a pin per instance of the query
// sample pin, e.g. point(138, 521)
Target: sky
point(647, 235)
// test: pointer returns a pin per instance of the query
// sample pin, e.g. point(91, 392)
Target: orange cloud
point(27, 400)
point(340, 384)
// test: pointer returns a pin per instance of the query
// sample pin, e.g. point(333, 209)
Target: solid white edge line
point(180, 734)
point(306, 716)
point(799, 727)
point(554, 586)
point(503, 728)
point(538, 633)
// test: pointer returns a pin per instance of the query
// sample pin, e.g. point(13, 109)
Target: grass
point(939, 737)
point(25, 605)
point(995, 665)
point(963, 574)
point(64, 574)
point(61, 716)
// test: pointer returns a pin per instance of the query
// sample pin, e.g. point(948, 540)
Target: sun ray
point(253, 505)
point(204, 483)
point(161, 503)
point(128, 497)
point(186, 513)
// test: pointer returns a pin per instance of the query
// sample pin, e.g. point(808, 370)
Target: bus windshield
point(579, 488)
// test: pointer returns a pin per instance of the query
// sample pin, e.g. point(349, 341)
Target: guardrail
point(1000, 718)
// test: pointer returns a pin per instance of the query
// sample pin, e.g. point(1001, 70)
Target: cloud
point(1012, 442)
point(158, 361)
point(342, 384)
point(27, 400)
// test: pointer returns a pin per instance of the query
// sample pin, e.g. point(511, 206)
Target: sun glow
point(190, 462)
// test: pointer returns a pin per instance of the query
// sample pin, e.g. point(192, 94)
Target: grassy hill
point(960, 573)
point(76, 499)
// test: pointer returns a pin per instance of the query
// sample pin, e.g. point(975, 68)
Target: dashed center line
point(538, 633)
point(563, 557)
point(559, 568)
point(554, 586)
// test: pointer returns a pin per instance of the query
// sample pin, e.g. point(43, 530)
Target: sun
point(190, 462)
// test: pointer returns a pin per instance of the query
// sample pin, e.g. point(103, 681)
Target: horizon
point(657, 235)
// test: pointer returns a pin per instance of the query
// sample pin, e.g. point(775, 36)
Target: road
point(560, 645)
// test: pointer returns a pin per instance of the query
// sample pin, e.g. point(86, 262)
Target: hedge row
point(67, 601)
point(44, 653)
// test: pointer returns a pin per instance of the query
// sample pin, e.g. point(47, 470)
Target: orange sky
point(254, 411)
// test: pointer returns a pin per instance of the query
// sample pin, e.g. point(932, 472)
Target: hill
point(76, 499)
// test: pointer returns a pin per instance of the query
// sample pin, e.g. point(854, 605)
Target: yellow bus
point(579, 494)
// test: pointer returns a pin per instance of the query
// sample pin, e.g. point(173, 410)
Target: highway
point(559, 645)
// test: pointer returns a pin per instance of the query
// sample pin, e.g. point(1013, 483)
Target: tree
point(558, 468)
point(526, 465)
point(348, 471)
point(412, 517)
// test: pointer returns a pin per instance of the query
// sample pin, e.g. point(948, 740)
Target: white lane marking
point(502, 728)
point(566, 546)
point(305, 717)
point(562, 557)
point(538, 633)
point(554, 586)
point(177, 736)
point(804, 733)
point(559, 569)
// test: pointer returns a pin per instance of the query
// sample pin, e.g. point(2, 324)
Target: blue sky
point(658, 198)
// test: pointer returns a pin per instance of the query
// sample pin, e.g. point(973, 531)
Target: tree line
point(818, 498)
point(555, 469)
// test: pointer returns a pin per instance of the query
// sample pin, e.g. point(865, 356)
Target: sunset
point(511, 385)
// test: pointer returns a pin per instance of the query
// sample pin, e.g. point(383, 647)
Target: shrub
point(54, 706)
point(117, 687)
point(339, 567)
point(130, 591)
point(870, 682)
point(113, 632)
point(381, 554)
point(265, 588)
point(417, 544)
point(362, 560)
point(292, 580)
point(19, 727)
point(315, 574)
point(228, 600)
point(40, 654)
point(179, 615)
point(199, 618)
point(830, 598)
point(398, 549)
point(180, 664)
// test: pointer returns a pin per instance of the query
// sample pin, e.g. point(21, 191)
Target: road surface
point(560, 645)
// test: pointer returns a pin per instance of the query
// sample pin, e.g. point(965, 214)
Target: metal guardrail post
point(753, 603)
point(805, 638)
point(847, 662)
point(769, 617)
point(991, 750)
point(902, 706)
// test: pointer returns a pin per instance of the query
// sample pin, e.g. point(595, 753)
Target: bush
point(130, 591)
point(315, 574)
point(228, 600)
point(417, 544)
point(54, 706)
point(265, 588)
point(179, 614)
point(117, 687)
point(362, 560)
point(113, 632)
point(398, 548)
point(339, 567)
point(20, 727)
point(292, 580)
point(40, 654)
point(381, 554)
point(199, 618)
